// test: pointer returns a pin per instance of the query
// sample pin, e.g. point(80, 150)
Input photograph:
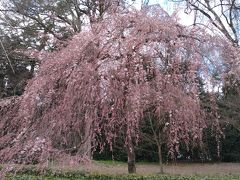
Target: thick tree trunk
point(160, 158)
point(86, 147)
point(131, 158)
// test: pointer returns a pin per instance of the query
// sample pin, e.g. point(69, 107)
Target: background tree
point(229, 102)
point(222, 14)
point(36, 23)
point(16, 68)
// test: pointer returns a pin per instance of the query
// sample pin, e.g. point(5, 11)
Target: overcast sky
point(167, 5)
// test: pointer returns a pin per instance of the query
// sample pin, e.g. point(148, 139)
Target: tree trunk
point(160, 158)
point(131, 158)
point(86, 147)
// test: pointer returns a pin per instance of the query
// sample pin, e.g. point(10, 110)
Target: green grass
point(33, 173)
point(110, 162)
point(49, 174)
point(125, 177)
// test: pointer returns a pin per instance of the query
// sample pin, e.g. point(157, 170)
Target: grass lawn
point(144, 168)
point(118, 171)
point(127, 177)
